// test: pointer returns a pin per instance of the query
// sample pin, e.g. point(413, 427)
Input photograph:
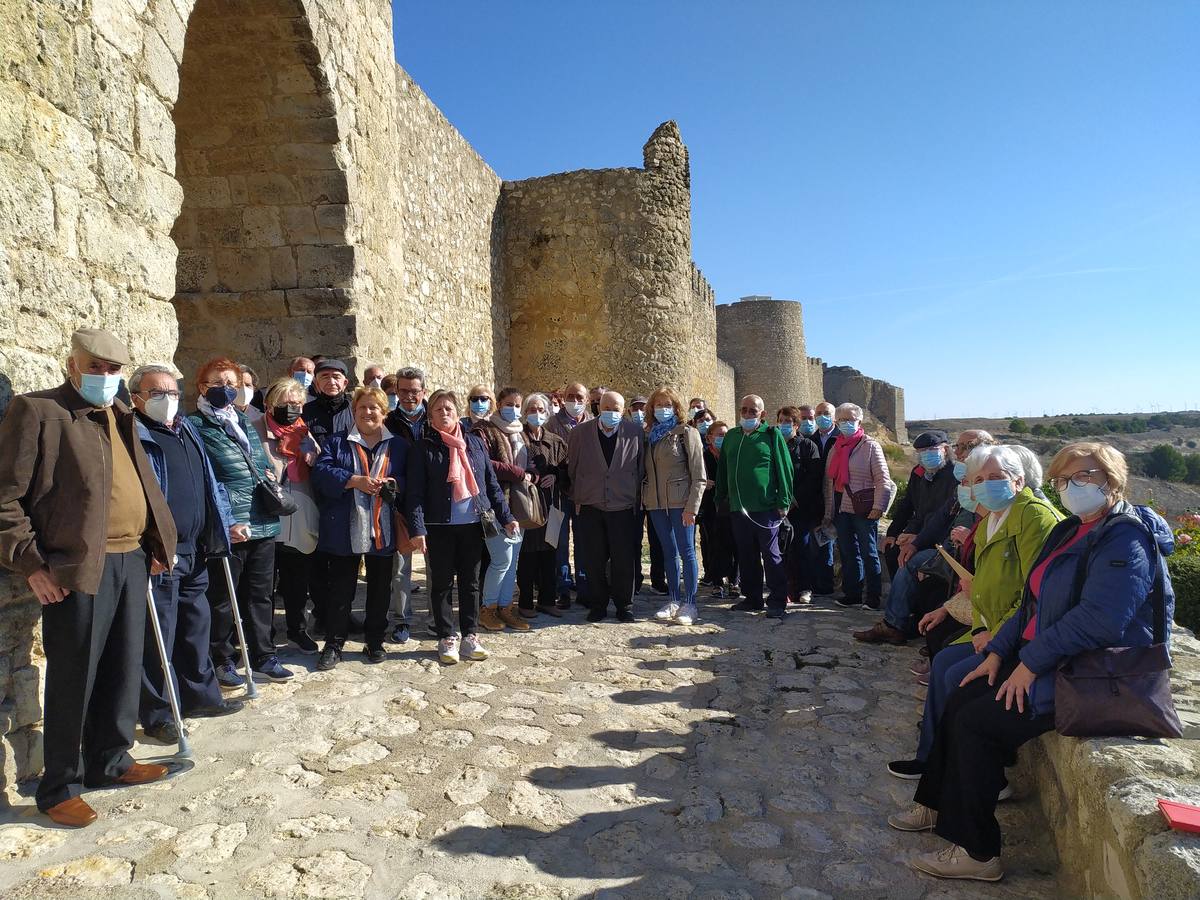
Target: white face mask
point(555, 409)
point(163, 409)
point(375, 382)
point(245, 395)
point(1083, 500)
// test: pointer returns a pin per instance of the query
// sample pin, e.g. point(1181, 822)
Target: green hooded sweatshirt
point(755, 470)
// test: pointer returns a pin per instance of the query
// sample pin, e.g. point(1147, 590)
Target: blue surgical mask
point(664, 413)
point(305, 378)
point(750, 423)
point(787, 429)
point(638, 415)
point(510, 413)
point(393, 401)
point(718, 441)
point(965, 500)
point(99, 390)
point(994, 495)
point(535, 419)
point(848, 428)
point(221, 395)
point(807, 427)
point(931, 459)
point(824, 422)
point(703, 427)
point(610, 418)
point(960, 470)
point(480, 407)
point(414, 413)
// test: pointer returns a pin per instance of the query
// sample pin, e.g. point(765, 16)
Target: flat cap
point(336, 364)
point(101, 344)
point(636, 400)
point(928, 439)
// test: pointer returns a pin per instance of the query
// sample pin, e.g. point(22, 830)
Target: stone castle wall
point(763, 339)
point(882, 400)
point(599, 278)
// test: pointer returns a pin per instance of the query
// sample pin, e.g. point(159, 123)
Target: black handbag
point(487, 520)
point(269, 493)
point(1119, 691)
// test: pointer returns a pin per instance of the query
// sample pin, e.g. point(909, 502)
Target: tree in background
point(1166, 463)
point(1192, 463)
point(1018, 426)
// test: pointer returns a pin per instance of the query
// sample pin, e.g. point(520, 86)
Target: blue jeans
point(858, 539)
point(563, 556)
point(904, 585)
point(678, 542)
point(501, 572)
point(949, 667)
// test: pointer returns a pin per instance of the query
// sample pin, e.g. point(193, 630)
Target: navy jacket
point(218, 516)
point(427, 496)
point(333, 468)
point(923, 498)
point(808, 480)
point(323, 421)
point(1123, 559)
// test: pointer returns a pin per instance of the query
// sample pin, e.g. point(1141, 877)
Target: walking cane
point(251, 688)
point(185, 749)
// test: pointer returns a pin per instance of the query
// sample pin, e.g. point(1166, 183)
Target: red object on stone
point(1181, 816)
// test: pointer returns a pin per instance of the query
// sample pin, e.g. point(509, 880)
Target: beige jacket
point(675, 476)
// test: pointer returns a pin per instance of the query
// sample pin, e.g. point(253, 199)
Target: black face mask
point(595, 409)
point(286, 415)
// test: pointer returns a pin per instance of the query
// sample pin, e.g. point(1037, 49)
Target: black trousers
point(658, 571)
point(706, 563)
point(944, 634)
point(319, 585)
point(891, 560)
point(253, 566)
point(976, 737)
point(796, 562)
point(93, 645)
point(186, 622)
point(722, 549)
point(535, 571)
point(295, 582)
point(343, 572)
point(454, 551)
point(610, 556)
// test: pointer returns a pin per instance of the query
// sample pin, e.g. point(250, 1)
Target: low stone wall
point(1099, 798)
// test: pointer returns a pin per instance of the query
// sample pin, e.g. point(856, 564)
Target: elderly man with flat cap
point(83, 521)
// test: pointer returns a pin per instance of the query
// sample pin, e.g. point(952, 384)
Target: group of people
point(309, 486)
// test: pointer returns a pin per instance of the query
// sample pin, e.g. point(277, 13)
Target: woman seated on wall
point(1092, 586)
point(359, 479)
point(1007, 542)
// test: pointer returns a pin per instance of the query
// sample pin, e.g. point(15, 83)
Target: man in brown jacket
point(83, 521)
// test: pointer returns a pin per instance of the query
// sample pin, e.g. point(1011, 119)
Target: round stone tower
point(763, 339)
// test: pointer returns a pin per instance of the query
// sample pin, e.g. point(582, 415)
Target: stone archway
point(265, 261)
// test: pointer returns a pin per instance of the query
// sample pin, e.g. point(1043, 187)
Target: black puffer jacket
point(923, 499)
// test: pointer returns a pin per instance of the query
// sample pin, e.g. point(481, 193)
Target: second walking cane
point(251, 688)
point(185, 749)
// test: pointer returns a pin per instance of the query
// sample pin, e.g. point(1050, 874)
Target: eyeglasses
point(408, 392)
point(159, 395)
point(1081, 478)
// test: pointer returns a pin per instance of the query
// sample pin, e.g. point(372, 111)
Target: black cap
point(336, 364)
point(927, 439)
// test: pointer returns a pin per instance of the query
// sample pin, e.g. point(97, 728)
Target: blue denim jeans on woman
point(501, 574)
point(678, 543)
point(858, 540)
point(950, 666)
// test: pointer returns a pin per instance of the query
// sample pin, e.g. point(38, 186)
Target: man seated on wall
point(83, 521)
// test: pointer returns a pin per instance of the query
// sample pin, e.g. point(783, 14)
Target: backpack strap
point(1157, 591)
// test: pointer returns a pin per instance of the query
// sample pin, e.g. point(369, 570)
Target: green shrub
point(1018, 426)
point(1185, 576)
point(1167, 463)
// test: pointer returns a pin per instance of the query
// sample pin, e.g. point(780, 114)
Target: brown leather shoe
point(141, 773)
point(73, 813)
point(881, 633)
point(510, 617)
point(489, 619)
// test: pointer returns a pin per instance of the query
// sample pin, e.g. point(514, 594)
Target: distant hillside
point(1180, 430)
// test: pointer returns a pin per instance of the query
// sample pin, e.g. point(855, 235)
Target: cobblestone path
point(737, 758)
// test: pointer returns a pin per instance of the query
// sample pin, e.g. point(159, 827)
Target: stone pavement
point(735, 758)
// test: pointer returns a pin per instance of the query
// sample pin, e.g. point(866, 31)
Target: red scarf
point(290, 438)
point(839, 459)
point(460, 477)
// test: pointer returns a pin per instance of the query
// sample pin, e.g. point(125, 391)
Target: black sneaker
point(330, 657)
point(374, 654)
point(227, 675)
point(303, 641)
point(270, 669)
point(625, 615)
point(224, 708)
point(163, 732)
point(774, 613)
point(873, 603)
point(748, 606)
point(661, 590)
point(596, 615)
point(848, 602)
point(908, 769)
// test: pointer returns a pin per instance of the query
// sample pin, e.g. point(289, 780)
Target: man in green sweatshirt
point(754, 477)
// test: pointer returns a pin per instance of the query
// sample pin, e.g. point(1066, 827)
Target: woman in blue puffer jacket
point(1092, 587)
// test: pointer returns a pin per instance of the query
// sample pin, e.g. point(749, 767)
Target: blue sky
point(994, 205)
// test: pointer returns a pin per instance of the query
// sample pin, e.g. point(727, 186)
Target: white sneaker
point(919, 818)
point(687, 614)
point(472, 649)
point(955, 862)
point(448, 651)
point(1006, 793)
point(806, 596)
point(668, 612)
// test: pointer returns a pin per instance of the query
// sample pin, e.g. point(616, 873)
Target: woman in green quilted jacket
point(240, 463)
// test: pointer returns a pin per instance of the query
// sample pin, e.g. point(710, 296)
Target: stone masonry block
point(155, 130)
point(270, 188)
point(26, 199)
point(305, 157)
point(300, 225)
point(161, 66)
point(243, 270)
point(322, 266)
point(261, 227)
point(117, 23)
point(61, 144)
point(26, 694)
point(283, 268)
